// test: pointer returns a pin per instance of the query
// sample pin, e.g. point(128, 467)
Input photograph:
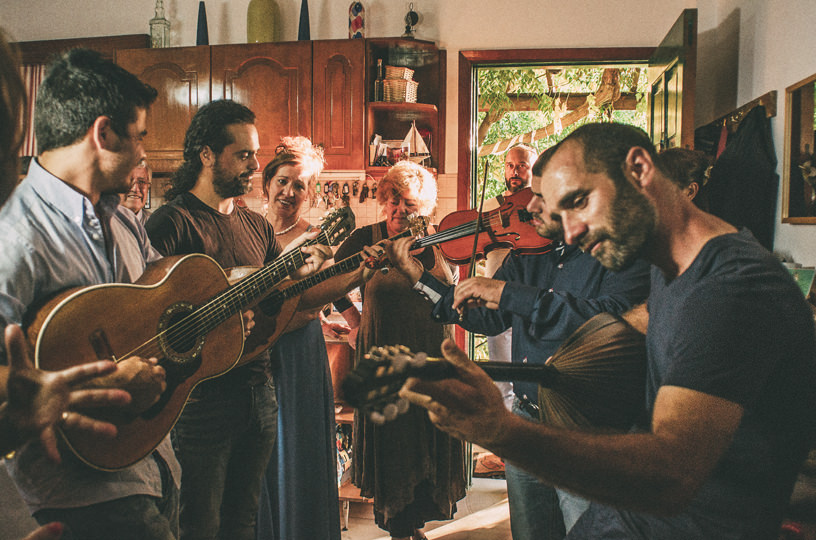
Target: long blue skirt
point(299, 491)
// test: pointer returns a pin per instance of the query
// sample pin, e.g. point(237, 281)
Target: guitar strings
point(191, 323)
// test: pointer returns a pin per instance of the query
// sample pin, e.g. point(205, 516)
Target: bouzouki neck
point(375, 382)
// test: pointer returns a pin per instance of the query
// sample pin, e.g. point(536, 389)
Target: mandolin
point(183, 311)
point(596, 378)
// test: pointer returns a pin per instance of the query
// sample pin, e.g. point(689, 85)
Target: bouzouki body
point(117, 321)
point(271, 319)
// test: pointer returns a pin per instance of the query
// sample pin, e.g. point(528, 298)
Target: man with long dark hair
point(226, 433)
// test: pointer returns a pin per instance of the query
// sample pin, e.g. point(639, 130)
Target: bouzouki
point(183, 311)
point(596, 379)
point(279, 307)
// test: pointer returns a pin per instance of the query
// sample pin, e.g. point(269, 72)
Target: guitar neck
point(346, 265)
point(253, 288)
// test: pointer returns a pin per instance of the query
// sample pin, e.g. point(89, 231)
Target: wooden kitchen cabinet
point(392, 120)
point(182, 78)
point(339, 102)
point(318, 89)
point(272, 79)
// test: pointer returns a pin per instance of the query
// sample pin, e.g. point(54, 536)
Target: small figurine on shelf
point(356, 20)
point(159, 28)
point(411, 20)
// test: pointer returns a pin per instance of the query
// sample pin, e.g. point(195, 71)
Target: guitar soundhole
point(180, 337)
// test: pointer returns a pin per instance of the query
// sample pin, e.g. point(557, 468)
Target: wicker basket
point(400, 90)
point(394, 72)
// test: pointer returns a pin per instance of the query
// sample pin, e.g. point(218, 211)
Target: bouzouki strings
point(203, 319)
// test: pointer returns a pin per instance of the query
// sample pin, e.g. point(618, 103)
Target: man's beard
point(226, 186)
point(632, 226)
point(515, 189)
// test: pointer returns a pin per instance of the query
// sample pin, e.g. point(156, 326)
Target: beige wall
point(746, 47)
point(777, 48)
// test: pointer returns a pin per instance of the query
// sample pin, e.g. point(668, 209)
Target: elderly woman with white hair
point(414, 472)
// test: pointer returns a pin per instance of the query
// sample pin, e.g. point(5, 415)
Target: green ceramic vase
point(261, 21)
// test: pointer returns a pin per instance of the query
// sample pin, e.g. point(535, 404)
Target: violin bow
point(472, 269)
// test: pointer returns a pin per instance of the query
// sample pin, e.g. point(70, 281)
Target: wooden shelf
point(402, 106)
point(350, 492)
point(345, 415)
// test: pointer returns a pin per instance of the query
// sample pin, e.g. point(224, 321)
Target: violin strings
point(459, 231)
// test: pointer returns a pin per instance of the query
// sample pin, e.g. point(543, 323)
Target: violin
point(505, 227)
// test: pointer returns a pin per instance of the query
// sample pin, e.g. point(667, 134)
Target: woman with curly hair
point(414, 472)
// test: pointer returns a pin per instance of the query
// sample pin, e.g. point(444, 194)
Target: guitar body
point(121, 320)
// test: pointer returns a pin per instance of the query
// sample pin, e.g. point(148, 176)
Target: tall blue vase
point(303, 27)
point(202, 34)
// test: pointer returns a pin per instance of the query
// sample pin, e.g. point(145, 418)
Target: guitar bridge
point(101, 345)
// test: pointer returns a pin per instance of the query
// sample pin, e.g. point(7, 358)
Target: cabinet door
point(672, 70)
point(272, 79)
point(339, 101)
point(182, 78)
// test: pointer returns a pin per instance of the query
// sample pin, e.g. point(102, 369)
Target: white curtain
point(32, 76)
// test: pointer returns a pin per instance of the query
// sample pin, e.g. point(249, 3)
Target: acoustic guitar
point(183, 311)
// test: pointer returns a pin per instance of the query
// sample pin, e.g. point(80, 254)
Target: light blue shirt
point(52, 239)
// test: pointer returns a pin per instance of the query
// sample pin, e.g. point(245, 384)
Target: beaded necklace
point(287, 229)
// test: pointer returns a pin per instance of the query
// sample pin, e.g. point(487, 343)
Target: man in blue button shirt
point(63, 227)
point(543, 298)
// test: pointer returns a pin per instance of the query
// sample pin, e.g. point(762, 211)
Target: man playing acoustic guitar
point(62, 227)
point(226, 433)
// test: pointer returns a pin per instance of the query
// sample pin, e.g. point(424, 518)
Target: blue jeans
point(572, 507)
point(138, 517)
point(223, 441)
point(534, 510)
point(537, 510)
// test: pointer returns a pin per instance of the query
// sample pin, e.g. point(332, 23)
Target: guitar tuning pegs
point(420, 359)
point(377, 418)
point(403, 405)
point(400, 362)
point(390, 412)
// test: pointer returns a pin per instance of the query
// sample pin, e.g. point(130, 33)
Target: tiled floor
point(482, 515)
